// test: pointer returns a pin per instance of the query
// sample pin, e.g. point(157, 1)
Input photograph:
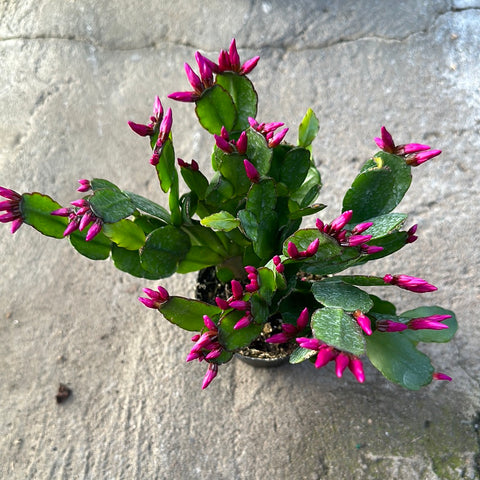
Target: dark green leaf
point(147, 206)
point(231, 166)
point(379, 188)
point(303, 212)
point(98, 248)
point(166, 172)
point(258, 152)
point(385, 224)
point(129, 261)
point(243, 95)
point(334, 327)
point(300, 354)
point(398, 359)
point(266, 281)
point(294, 168)
point(163, 250)
point(100, 184)
point(36, 209)
point(308, 129)
point(188, 313)
point(309, 190)
point(341, 295)
point(198, 258)
point(110, 205)
point(196, 181)
point(215, 109)
point(361, 280)
point(382, 306)
point(125, 234)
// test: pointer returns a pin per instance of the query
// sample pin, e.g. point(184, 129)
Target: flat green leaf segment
point(36, 211)
point(147, 206)
point(294, 168)
point(223, 221)
point(301, 354)
point(308, 129)
point(398, 360)
point(166, 172)
point(334, 327)
point(244, 97)
point(258, 152)
point(385, 224)
point(110, 205)
point(125, 234)
point(233, 339)
point(187, 313)
point(215, 109)
point(379, 188)
point(164, 248)
point(129, 261)
point(341, 295)
point(98, 248)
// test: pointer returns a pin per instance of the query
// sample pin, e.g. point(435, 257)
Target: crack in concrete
point(287, 46)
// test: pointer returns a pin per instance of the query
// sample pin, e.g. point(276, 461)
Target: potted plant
point(286, 290)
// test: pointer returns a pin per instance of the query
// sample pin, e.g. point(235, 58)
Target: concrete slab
point(72, 75)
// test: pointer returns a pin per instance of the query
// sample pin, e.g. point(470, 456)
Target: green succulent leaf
point(334, 327)
point(266, 281)
point(341, 295)
point(233, 339)
point(383, 306)
point(215, 109)
point(309, 190)
point(223, 221)
point(294, 168)
point(398, 360)
point(362, 280)
point(147, 206)
point(128, 261)
point(308, 129)
point(188, 313)
point(111, 205)
point(164, 249)
point(199, 257)
point(231, 166)
point(98, 248)
point(258, 152)
point(243, 94)
point(101, 184)
point(125, 234)
point(301, 354)
point(379, 188)
point(166, 172)
point(36, 211)
point(297, 213)
point(385, 224)
point(196, 181)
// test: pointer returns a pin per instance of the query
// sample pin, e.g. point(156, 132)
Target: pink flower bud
point(441, 376)
point(251, 171)
point(210, 375)
point(341, 363)
point(356, 367)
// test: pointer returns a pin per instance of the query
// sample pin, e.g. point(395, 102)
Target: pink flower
point(407, 282)
point(229, 146)
point(418, 158)
point(11, 207)
point(155, 298)
point(268, 131)
point(230, 61)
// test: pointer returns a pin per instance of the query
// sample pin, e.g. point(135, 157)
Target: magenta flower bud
point(237, 289)
point(407, 282)
point(370, 249)
point(242, 143)
point(289, 329)
point(312, 248)
point(85, 220)
point(356, 240)
point(251, 171)
point(280, 268)
point(309, 343)
point(242, 323)
point(224, 134)
point(277, 138)
point(184, 96)
point(62, 212)
point(206, 73)
point(292, 250)
point(155, 159)
point(320, 225)
point(165, 128)
point(84, 185)
point(16, 224)
point(341, 221)
point(140, 129)
point(251, 288)
point(361, 227)
point(221, 303)
point(164, 296)
point(410, 148)
point(363, 321)
point(214, 353)
point(325, 355)
point(249, 65)
point(223, 145)
point(418, 158)
point(302, 320)
point(80, 203)
point(278, 338)
point(240, 305)
point(148, 302)
point(209, 323)
point(251, 270)
point(276, 260)
point(193, 78)
point(156, 298)
point(390, 326)
point(94, 230)
point(411, 234)
point(195, 337)
point(210, 375)
point(10, 194)
point(341, 363)
point(441, 376)
point(71, 227)
point(192, 355)
point(427, 323)
point(386, 142)
point(157, 108)
point(8, 217)
point(253, 123)
point(356, 367)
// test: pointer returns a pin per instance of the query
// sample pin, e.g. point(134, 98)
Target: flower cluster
point(11, 207)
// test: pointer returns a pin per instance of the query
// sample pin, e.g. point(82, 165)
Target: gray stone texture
point(72, 74)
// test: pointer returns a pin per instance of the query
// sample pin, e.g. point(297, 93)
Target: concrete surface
point(72, 74)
